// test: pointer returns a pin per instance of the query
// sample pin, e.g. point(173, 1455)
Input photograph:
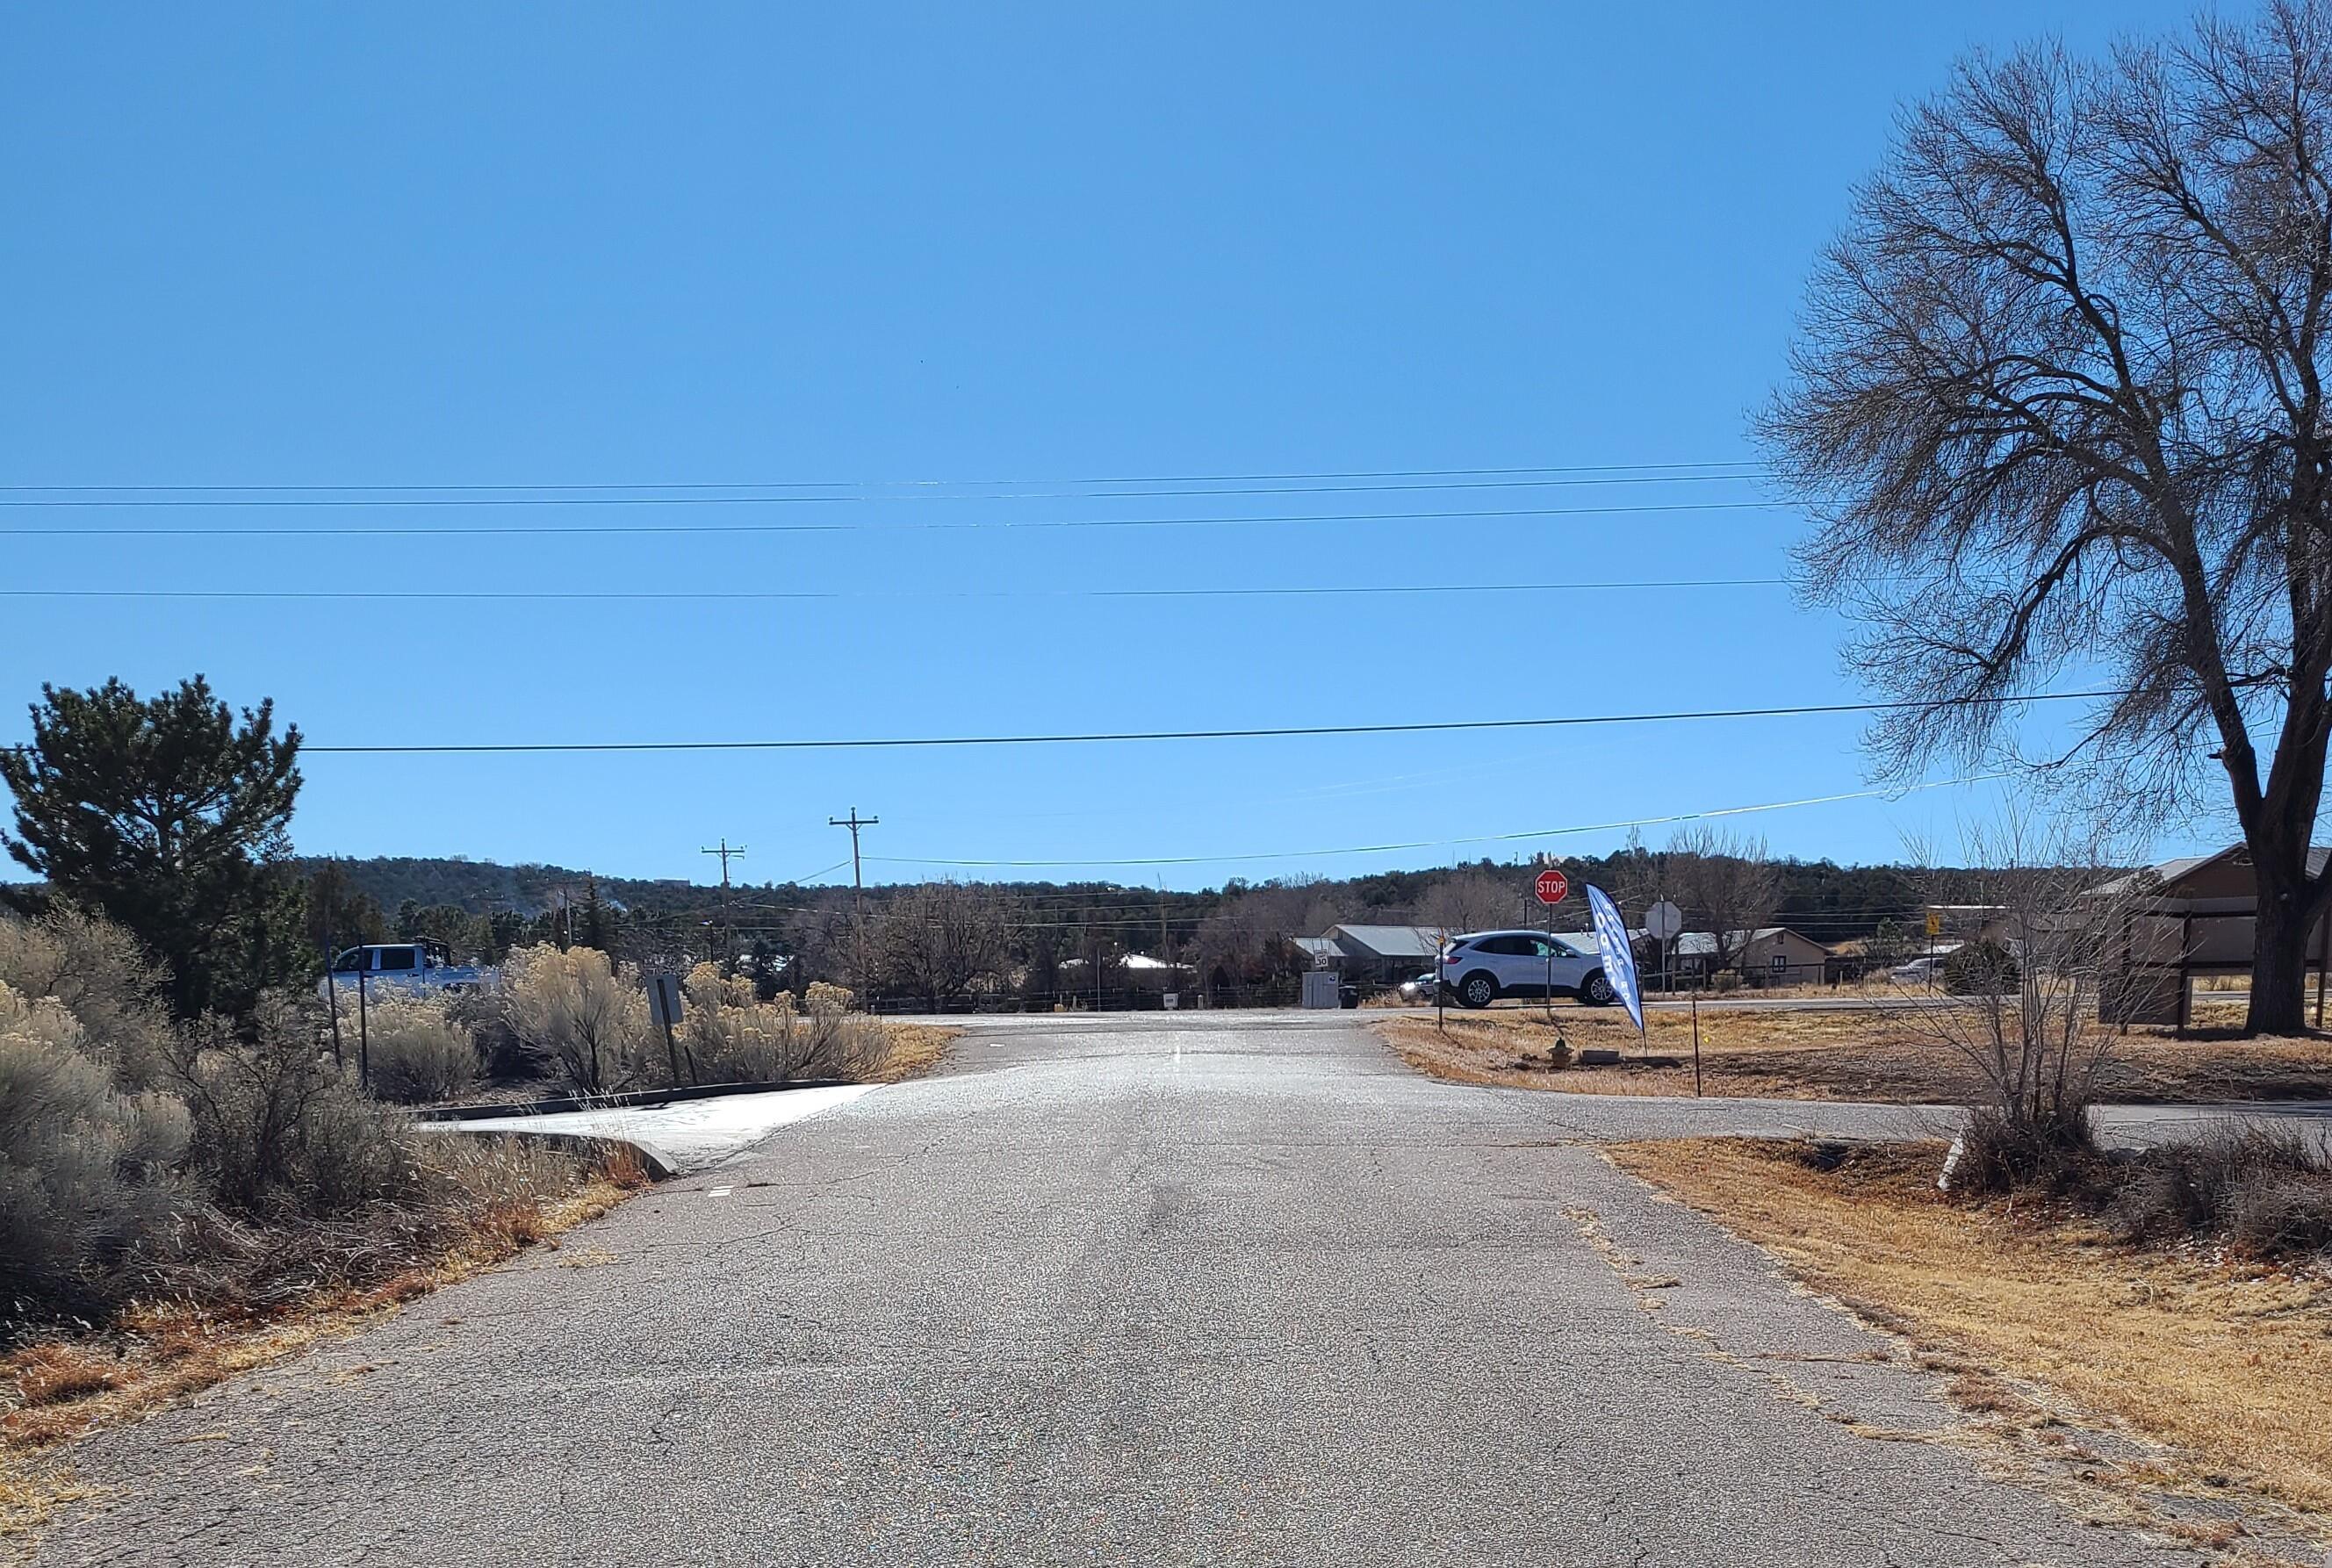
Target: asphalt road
point(1190, 1291)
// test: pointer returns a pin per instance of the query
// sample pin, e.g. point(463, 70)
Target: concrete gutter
point(666, 1096)
point(674, 1135)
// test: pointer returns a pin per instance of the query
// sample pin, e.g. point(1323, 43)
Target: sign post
point(1664, 921)
point(1553, 887)
point(332, 997)
point(664, 1005)
point(1441, 980)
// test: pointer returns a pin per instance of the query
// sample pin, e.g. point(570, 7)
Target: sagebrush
point(216, 1160)
point(89, 1173)
point(417, 1050)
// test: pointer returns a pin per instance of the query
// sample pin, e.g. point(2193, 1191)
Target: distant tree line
point(171, 816)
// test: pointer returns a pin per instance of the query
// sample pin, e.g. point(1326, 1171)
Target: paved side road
point(1183, 1295)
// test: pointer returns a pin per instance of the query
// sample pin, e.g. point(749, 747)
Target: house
point(1769, 955)
point(2196, 914)
point(1374, 954)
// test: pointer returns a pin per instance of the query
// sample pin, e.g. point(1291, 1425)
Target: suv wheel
point(1595, 990)
point(1478, 990)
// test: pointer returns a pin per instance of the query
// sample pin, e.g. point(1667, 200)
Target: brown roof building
point(2195, 916)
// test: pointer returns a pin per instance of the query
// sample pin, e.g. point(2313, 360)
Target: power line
point(405, 530)
point(1450, 843)
point(766, 498)
point(1071, 918)
point(790, 595)
point(632, 493)
point(1270, 733)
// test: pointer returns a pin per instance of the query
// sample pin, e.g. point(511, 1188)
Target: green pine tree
point(594, 926)
point(169, 817)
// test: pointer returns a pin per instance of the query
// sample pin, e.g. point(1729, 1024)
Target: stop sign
point(1553, 887)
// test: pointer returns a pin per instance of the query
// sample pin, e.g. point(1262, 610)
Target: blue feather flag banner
point(1618, 952)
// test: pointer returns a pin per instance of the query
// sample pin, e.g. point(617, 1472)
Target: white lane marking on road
point(719, 1192)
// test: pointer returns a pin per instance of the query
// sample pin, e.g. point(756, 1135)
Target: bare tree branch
point(2058, 403)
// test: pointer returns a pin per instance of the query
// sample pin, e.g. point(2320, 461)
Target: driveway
point(1199, 1290)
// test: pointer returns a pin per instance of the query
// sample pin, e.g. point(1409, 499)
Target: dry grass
point(2224, 1363)
point(1847, 1054)
point(915, 1049)
point(152, 1354)
point(30, 1494)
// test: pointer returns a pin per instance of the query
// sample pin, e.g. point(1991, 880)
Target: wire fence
point(1106, 998)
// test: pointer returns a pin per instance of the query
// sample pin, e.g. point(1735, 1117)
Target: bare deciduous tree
point(938, 938)
point(2026, 1011)
point(1726, 885)
point(1472, 899)
point(2059, 401)
point(1249, 934)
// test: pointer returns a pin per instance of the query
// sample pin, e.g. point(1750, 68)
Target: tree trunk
point(2278, 1004)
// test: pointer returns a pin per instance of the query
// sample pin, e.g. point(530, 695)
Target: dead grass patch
point(1809, 1055)
point(30, 1496)
point(2221, 1362)
point(915, 1049)
point(55, 1374)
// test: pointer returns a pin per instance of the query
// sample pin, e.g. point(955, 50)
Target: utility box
point(2145, 996)
point(1320, 989)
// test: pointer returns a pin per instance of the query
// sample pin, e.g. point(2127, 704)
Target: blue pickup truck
point(405, 966)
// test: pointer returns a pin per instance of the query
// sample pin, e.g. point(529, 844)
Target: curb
point(625, 1100)
point(659, 1165)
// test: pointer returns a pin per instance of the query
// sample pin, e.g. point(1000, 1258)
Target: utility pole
point(1167, 980)
point(857, 894)
point(724, 852)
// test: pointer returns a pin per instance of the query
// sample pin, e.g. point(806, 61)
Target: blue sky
point(469, 245)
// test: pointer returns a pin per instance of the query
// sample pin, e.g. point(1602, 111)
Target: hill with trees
point(938, 940)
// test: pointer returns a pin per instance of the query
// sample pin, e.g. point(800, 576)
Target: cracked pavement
point(1207, 1290)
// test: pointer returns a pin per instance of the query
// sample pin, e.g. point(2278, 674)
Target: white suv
point(1480, 968)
